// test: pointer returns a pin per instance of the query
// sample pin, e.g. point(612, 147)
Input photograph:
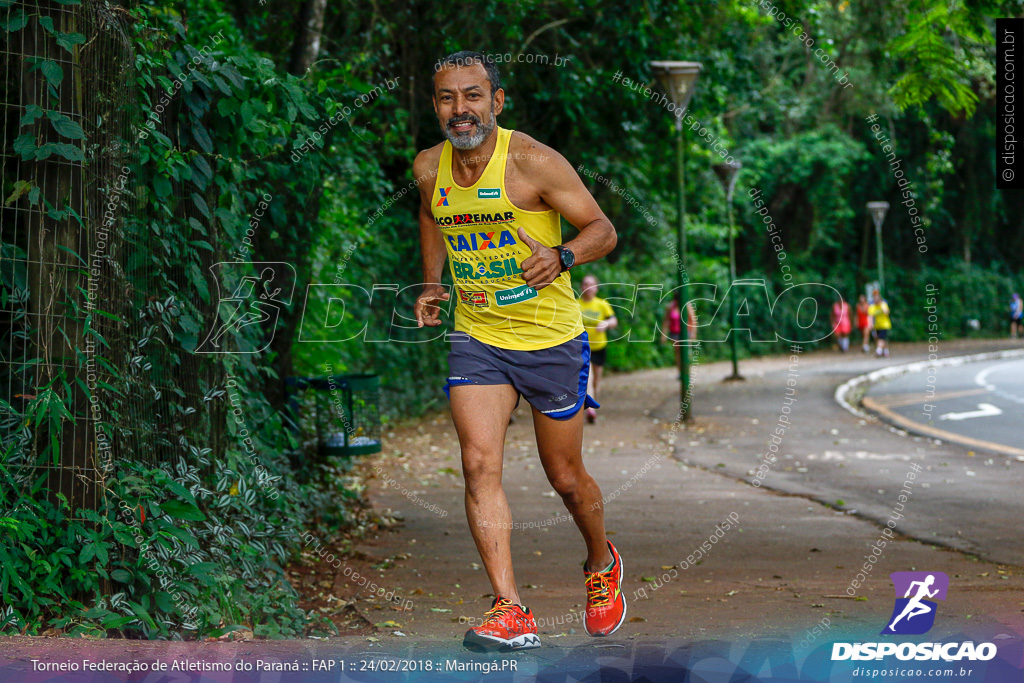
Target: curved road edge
point(850, 393)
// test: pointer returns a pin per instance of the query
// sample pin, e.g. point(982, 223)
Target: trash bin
point(345, 410)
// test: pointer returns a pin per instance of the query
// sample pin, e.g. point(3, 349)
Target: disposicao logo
point(914, 614)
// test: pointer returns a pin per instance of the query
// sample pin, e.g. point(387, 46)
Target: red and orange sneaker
point(506, 627)
point(606, 605)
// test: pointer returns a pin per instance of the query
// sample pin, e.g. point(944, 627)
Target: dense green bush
point(195, 543)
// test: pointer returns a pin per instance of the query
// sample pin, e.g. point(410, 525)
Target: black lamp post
point(727, 173)
point(679, 79)
point(878, 210)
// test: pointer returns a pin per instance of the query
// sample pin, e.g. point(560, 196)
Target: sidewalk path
point(784, 567)
point(963, 499)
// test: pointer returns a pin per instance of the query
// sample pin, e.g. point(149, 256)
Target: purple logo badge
point(914, 612)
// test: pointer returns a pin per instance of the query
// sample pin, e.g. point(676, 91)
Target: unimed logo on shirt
point(505, 297)
point(488, 193)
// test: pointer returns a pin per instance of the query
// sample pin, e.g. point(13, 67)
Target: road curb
point(850, 392)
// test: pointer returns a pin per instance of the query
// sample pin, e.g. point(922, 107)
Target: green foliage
point(225, 511)
point(934, 47)
point(195, 547)
point(155, 564)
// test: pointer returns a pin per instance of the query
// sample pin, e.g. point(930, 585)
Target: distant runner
point(864, 323)
point(598, 318)
point(841, 323)
point(673, 326)
point(1016, 315)
point(491, 201)
point(879, 312)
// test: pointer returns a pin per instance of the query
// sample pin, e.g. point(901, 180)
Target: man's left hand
point(543, 265)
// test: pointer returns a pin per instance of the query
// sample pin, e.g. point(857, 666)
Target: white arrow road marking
point(984, 410)
point(981, 379)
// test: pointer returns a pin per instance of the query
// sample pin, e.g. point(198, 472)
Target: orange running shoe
point(506, 627)
point(606, 605)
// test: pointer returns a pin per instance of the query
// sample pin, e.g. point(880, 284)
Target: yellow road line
point(921, 398)
point(918, 428)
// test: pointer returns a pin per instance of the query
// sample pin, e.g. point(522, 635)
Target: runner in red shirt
point(864, 322)
point(673, 325)
point(841, 324)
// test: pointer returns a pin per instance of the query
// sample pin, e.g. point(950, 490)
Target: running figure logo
point(914, 613)
point(258, 292)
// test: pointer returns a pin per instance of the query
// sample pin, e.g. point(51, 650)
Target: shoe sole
point(478, 643)
point(625, 607)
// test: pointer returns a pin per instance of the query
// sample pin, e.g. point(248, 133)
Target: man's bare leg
point(597, 372)
point(481, 414)
point(561, 453)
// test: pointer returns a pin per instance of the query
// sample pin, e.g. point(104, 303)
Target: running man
point(880, 321)
point(841, 323)
point(915, 606)
point(864, 322)
point(673, 326)
point(490, 203)
point(598, 318)
point(1016, 315)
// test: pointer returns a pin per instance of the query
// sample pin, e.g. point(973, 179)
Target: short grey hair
point(466, 57)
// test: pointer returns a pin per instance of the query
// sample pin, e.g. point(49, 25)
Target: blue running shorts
point(552, 380)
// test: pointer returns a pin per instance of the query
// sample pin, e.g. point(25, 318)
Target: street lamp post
point(878, 210)
point(679, 79)
point(727, 173)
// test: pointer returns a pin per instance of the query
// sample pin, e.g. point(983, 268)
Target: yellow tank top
point(480, 227)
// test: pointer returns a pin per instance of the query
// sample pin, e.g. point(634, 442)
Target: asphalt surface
point(963, 498)
point(782, 570)
point(790, 562)
point(981, 402)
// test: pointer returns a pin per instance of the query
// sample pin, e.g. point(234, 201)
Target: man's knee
point(566, 484)
point(480, 468)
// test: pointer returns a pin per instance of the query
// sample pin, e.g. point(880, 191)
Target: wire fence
point(93, 358)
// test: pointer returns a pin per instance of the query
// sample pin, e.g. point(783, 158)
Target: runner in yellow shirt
point(879, 312)
point(491, 204)
point(598, 318)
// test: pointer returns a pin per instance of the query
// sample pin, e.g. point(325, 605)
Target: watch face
point(568, 258)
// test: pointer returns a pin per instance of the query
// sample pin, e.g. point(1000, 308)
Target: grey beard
point(465, 142)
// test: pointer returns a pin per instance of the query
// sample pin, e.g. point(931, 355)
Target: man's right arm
point(432, 246)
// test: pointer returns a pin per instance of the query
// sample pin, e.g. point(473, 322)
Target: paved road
point(963, 498)
point(788, 563)
point(979, 404)
point(784, 568)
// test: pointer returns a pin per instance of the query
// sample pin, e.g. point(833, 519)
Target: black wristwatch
point(566, 256)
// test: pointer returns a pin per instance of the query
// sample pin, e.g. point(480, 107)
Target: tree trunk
point(307, 37)
point(304, 52)
point(287, 327)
